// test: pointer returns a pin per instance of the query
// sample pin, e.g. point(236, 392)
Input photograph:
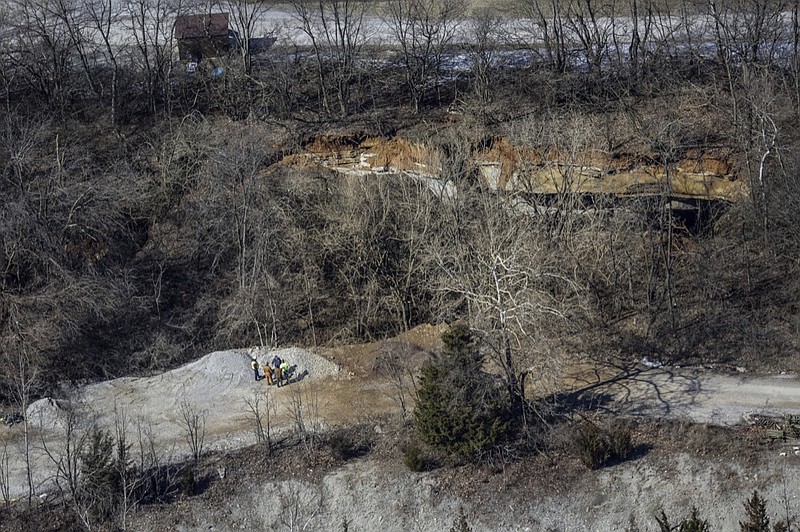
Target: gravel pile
point(220, 382)
point(305, 360)
point(216, 387)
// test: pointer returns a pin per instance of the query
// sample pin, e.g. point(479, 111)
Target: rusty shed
point(202, 36)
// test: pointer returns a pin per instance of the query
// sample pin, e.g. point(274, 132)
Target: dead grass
point(360, 359)
point(741, 443)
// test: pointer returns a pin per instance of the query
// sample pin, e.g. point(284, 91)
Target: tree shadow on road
point(635, 390)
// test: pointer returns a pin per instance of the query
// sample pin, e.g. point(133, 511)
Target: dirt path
point(219, 386)
point(701, 396)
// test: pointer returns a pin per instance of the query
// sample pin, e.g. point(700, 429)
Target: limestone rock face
point(698, 174)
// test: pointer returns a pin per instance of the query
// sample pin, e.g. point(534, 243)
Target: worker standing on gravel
point(268, 375)
point(276, 363)
point(254, 365)
point(284, 373)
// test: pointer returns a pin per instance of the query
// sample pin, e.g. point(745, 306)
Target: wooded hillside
point(148, 215)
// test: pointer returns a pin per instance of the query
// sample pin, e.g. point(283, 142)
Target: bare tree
point(504, 274)
point(103, 19)
point(254, 226)
point(547, 26)
point(417, 218)
point(423, 29)
point(158, 483)
point(151, 23)
point(66, 456)
point(638, 38)
point(394, 363)
point(305, 412)
point(337, 34)
point(193, 423)
point(5, 472)
point(20, 138)
point(20, 376)
point(377, 249)
point(766, 133)
point(130, 478)
point(299, 505)
point(748, 31)
point(95, 472)
point(262, 410)
point(246, 16)
point(43, 52)
point(591, 24)
point(72, 15)
point(485, 42)
point(7, 74)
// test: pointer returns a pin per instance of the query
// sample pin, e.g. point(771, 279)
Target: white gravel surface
point(218, 383)
point(217, 387)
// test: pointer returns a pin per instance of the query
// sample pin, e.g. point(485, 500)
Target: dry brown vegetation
point(148, 216)
point(140, 227)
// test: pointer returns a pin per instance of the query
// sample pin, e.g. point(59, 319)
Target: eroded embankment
point(501, 165)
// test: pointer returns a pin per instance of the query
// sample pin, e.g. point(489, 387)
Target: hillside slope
point(220, 388)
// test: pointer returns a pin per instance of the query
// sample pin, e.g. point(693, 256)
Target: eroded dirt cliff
point(502, 165)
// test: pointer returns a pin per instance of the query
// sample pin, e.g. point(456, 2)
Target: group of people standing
point(275, 372)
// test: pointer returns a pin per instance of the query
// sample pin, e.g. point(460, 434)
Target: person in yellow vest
point(284, 378)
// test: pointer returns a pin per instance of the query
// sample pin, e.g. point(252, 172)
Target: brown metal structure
point(202, 36)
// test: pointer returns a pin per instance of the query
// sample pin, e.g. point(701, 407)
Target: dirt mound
point(413, 347)
point(46, 413)
point(217, 385)
point(217, 388)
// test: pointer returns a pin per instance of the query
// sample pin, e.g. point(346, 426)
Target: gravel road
point(218, 387)
point(697, 395)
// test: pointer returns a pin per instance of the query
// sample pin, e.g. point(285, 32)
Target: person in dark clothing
point(254, 365)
